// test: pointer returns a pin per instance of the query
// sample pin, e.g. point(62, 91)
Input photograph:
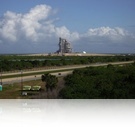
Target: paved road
point(67, 67)
point(33, 77)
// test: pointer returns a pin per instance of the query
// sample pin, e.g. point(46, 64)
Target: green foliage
point(111, 82)
point(17, 62)
point(51, 81)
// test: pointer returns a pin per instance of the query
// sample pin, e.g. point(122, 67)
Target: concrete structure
point(64, 46)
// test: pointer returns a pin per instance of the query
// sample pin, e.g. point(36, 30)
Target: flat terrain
point(13, 91)
point(72, 54)
point(34, 75)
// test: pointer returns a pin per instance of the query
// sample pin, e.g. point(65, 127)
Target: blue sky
point(97, 26)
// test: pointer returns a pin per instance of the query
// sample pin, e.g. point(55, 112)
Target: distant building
point(64, 46)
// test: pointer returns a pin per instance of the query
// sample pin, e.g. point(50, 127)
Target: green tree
point(51, 81)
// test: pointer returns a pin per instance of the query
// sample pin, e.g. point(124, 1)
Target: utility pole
point(21, 82)
point(1, 73)
point(1, 76)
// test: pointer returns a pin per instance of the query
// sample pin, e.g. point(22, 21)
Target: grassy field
point(13, 91)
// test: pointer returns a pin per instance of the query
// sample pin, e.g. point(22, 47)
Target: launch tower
point(64, 46)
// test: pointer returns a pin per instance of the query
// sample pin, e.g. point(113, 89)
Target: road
point(35, 77)
point(32, 77)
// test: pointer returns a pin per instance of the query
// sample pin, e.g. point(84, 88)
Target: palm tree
point(51, 81)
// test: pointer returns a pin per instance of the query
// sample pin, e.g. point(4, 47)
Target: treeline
point(9, 63)
point(111, 82)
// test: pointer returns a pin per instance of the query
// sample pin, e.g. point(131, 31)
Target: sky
point(94, 26)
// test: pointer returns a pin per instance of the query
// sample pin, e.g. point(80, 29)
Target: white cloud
point(33, 26)
point(38, 27)
point(8, 26)
point(65, 33)
point(26, 26)
point(113, 34)
point(38, 13)
point(31, 22)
